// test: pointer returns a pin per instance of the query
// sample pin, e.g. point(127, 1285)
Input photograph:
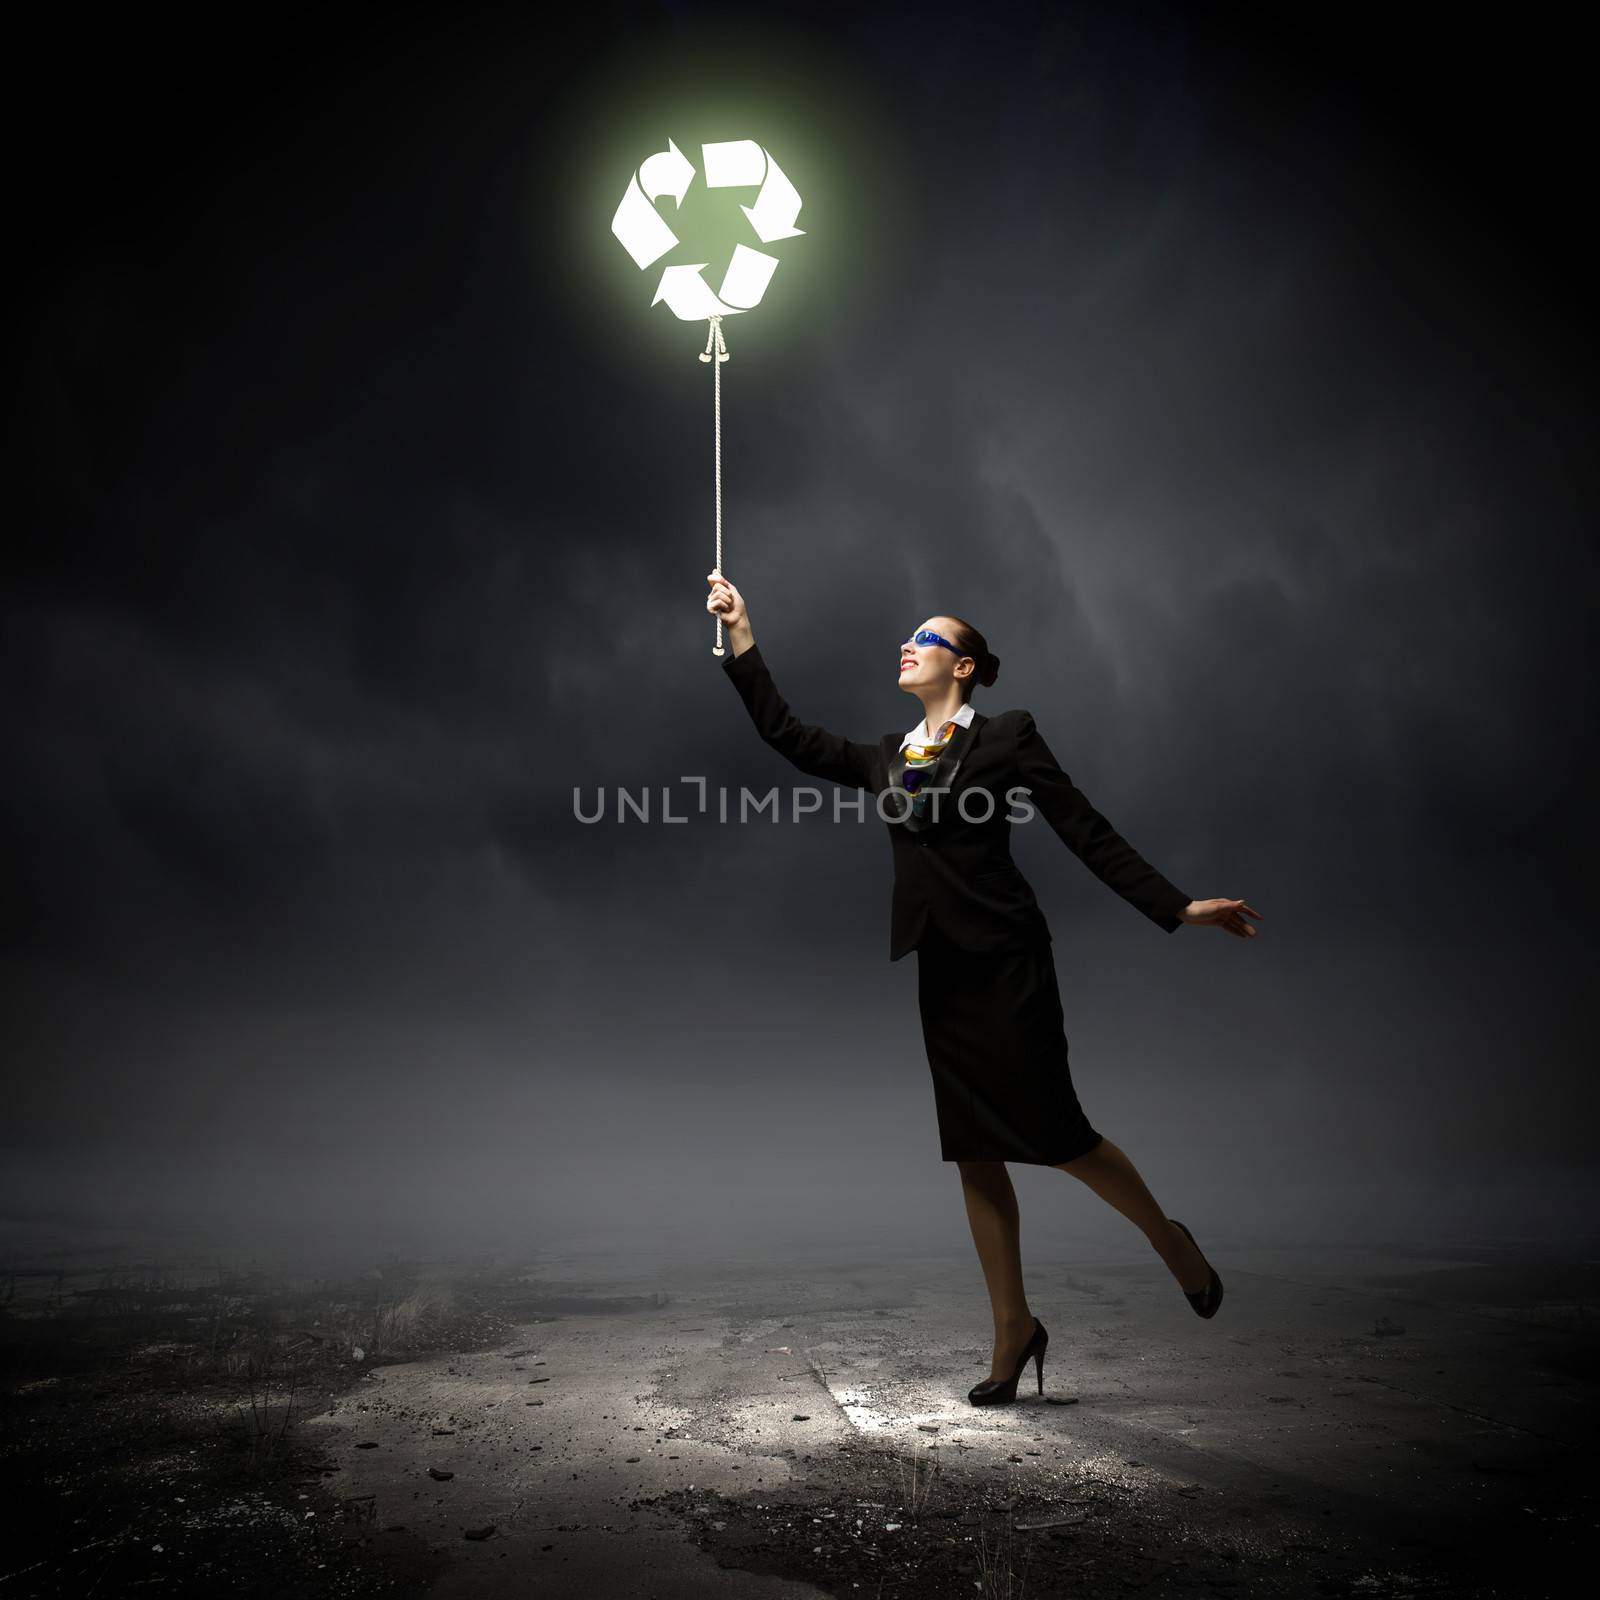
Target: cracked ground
point(1351, 1423)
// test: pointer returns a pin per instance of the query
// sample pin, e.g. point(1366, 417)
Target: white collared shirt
point(919, 734)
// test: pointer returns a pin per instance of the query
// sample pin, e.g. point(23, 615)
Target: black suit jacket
point(959, 873)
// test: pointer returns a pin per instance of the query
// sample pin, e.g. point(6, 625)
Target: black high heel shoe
point(1206, 1300)
point(1000, 1391)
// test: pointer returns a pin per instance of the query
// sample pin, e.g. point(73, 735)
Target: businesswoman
point(991, 1011)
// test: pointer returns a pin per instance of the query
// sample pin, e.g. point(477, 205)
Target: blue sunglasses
point(928, 636)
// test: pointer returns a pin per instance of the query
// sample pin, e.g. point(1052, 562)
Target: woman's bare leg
point(996, 1226)
point(1108, 1171)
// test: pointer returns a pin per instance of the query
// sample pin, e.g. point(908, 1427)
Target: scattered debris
point(1051, 1522)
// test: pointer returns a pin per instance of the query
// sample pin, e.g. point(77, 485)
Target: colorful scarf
point(923, 760)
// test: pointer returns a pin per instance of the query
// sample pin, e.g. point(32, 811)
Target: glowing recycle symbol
point(735, 164)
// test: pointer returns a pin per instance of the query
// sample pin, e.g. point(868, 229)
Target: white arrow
point(776, 207)
point(689, 296)
point(739, 163)
point(668, 171)
point(641, 228)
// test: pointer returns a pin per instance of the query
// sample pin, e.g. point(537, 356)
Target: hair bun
point(991, 669)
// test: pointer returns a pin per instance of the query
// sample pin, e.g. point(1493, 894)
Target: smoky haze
point(1232, 376)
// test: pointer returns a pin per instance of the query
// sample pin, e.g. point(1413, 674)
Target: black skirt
point(997, 1048)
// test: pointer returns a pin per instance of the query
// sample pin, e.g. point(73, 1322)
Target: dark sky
point(1230, 370)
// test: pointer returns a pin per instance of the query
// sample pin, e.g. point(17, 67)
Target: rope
point(714, 337)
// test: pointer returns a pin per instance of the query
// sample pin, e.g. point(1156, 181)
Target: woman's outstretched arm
point(814, 750)
point(1089, 836)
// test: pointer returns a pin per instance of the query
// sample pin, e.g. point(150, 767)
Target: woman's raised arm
point(813, 749)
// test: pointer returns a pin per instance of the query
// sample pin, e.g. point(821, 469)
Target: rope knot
point(714, 337)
